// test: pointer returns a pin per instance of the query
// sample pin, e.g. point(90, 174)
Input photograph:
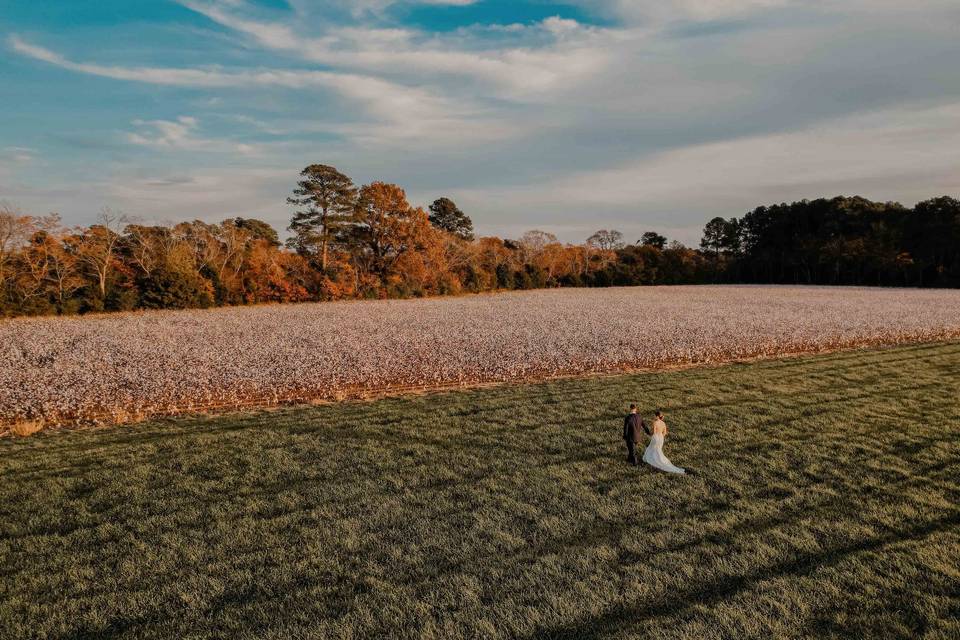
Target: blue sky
point(565, 116)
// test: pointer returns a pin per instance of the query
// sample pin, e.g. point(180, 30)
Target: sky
point(567, 116)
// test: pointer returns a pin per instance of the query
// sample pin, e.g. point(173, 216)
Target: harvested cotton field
point(116, 368)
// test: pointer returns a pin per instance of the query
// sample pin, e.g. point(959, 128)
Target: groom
point(632, 425)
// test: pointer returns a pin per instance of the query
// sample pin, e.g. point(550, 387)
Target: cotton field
point(123, 367)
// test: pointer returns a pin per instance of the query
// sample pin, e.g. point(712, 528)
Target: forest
point(347, 241)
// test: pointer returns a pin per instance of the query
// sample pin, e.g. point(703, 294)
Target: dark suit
point(632, 426)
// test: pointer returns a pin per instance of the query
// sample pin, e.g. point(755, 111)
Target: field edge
point(23, 429)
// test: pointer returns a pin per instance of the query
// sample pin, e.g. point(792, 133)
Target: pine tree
point(446, 215)
point(328, 199)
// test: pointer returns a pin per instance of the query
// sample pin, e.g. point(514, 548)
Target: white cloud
point(361, 8)
point(574, 52)
point(180, 134)
point(659, 11)
point(400, 112)
point(208, 78)
point(904, 154)
point(13, 162)
point(17, 155)
point(684, 110)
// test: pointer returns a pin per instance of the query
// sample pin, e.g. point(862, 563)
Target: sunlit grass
point(825, 503)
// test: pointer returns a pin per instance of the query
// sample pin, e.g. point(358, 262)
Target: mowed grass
point(826, 502)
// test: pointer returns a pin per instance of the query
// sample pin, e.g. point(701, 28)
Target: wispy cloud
point(365, 8)
point(181, 134)
point(17, 155)
point(906, 153)
point(207, 78)
point(399, 111)
point(663, 11)
point(13, 160)
point(572, 51)
point(662, 113)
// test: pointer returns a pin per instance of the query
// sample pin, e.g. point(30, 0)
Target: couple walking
point(633, 424)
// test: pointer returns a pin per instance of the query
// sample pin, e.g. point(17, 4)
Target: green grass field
point(826, 503)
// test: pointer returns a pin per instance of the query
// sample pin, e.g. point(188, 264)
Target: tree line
point(840, 241)
point(348, 241)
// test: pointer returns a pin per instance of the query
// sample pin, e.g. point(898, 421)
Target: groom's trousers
point(631, 452)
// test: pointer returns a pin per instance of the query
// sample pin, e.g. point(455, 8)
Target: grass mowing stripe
point(825, 504)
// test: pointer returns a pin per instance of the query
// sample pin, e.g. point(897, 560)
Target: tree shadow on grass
point(680, 601)
point(611, 533)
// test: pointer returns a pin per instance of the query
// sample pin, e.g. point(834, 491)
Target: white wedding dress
point(654, 453)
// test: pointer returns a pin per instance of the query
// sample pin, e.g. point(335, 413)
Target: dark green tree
point(721, 236)
point(446, 215)
point(933, 237)
point(714, 234)
point(165, 288)
point(327, 199)
point(505, 279)
point(653, 239)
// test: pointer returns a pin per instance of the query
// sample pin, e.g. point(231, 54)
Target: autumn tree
point(53, 262)
point(558, 264)
point(63, 273)
point(232, 241)
point(15, 232)
point(533, 242)
point(327, 199)
point(426, 268)
point(373, 242)
point(197, 248)
point(460, 260)
point(447, 216)
point(269, 275)
point(216, 253)
point(172, 264)
point(146, 247)
point(383, 228)
point(97, 246)
point(31, 274)
point(496, 263)
point(258, 230)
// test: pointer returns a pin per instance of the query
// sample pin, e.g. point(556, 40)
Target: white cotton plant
point(126, 367)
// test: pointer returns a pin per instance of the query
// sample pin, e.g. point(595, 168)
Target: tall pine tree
point(327, 199)
point(446, 215)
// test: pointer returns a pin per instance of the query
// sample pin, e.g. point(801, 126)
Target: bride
point(654, 453)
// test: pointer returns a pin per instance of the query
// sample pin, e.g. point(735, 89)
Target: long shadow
point(729, 586)
point(470, 444)
point(605, 533)
point(463, 445)
point(608, 533)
